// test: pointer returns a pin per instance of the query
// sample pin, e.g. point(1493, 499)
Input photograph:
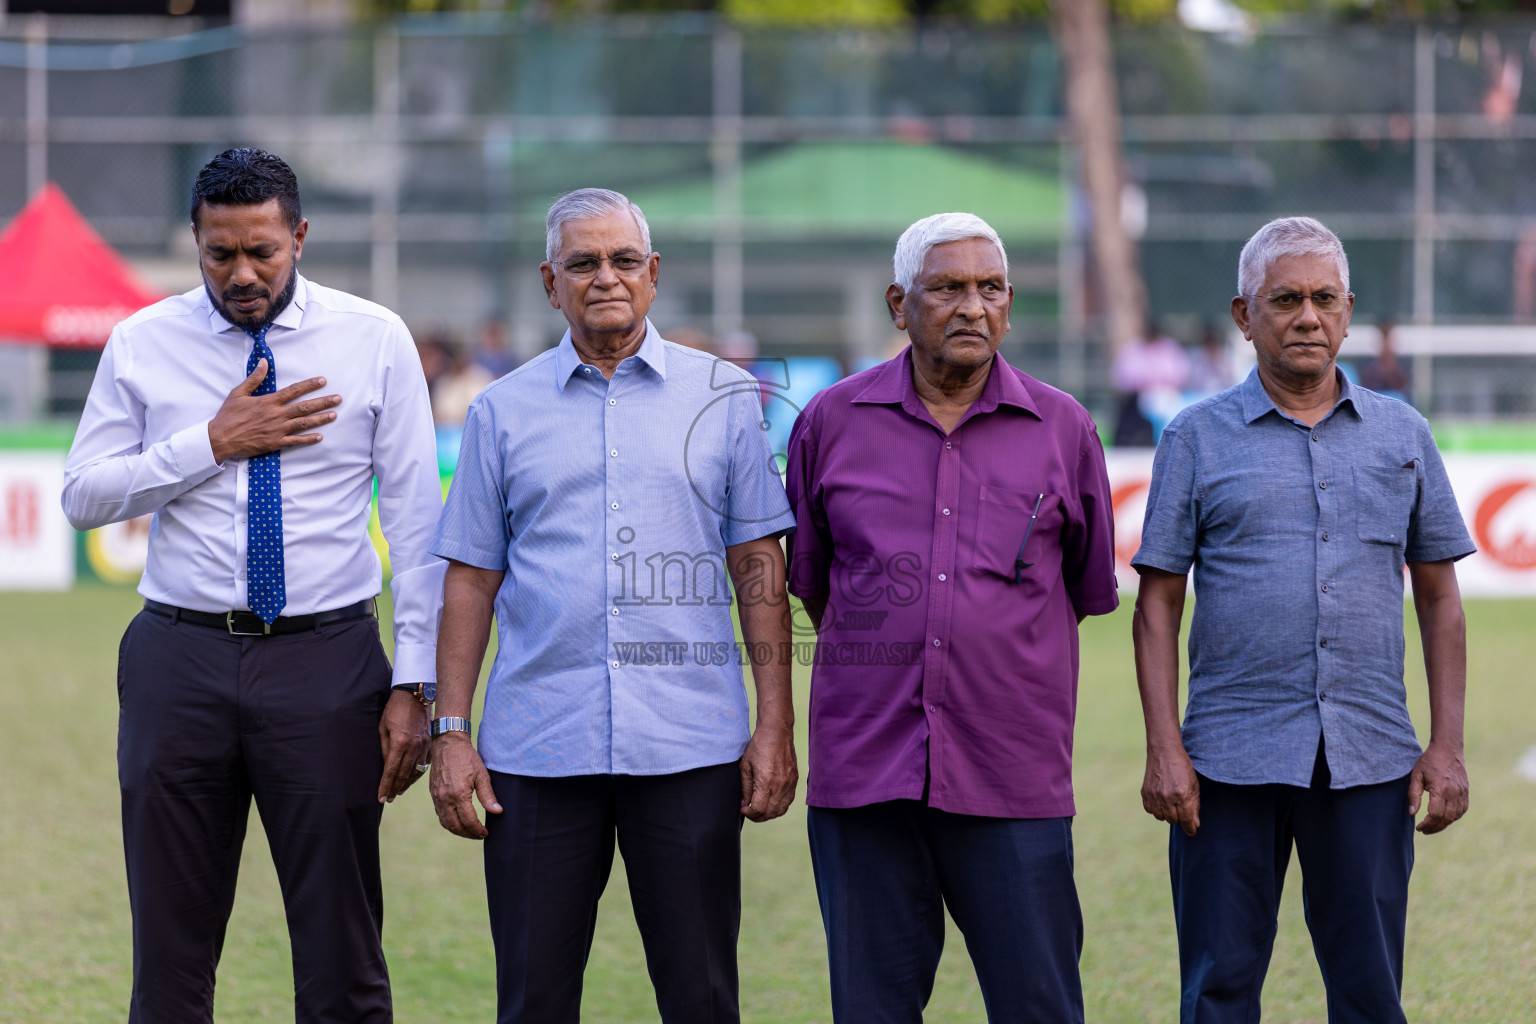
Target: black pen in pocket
point(1019, 565)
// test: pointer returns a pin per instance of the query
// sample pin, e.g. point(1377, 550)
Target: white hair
point(913, 245)
point(586, 204)
point(1288, 236)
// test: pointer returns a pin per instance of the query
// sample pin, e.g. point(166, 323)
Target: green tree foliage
point(816, 13)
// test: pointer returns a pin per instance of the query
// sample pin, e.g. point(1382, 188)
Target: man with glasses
point(1298, 498)
point(605, 492)
point(954, 529)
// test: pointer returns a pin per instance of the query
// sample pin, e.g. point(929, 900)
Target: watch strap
point(449, 724)
point(425, 693)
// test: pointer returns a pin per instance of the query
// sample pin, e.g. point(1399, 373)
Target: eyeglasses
point(1290, 302)
point(625, 264)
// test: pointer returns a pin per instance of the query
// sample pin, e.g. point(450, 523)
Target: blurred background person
point(1385, 374)
point(464, 379)
point(492, 353)
point(436, 357)
point(1210, 366)
point(693, 338)
point(1149, 373)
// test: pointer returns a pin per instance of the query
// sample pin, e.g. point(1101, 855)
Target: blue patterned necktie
point(265, 589)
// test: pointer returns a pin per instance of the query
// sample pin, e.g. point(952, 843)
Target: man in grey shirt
point(1298, 498)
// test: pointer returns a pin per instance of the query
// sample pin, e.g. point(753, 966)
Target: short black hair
point(247, 177)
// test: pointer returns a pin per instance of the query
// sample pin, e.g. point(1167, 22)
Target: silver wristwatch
point(448, 724)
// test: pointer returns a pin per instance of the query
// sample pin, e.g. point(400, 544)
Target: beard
point(242, 320)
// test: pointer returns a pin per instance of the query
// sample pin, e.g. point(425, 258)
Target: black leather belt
point(249, 624)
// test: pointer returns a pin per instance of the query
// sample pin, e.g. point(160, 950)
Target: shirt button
point(614, 505)
point(942, 577)
point(1323, 486)
point(615, 556)
point(935, 641)
point(1323, 642)
point(1325, 535)
point(946, 511)
point(1322, 696)
point(614, 664)
point(1325, 588)
point(615, 611)
point(613, 401)
point(586, 369)
point(934, 708)
point(948, 444)
point(614, 453)
point(1314, 437)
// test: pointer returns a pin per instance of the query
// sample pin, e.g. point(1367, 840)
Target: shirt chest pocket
point(1384, 498)
point(1017, 532)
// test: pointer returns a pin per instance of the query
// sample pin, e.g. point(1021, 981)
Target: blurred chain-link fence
point(777, 168)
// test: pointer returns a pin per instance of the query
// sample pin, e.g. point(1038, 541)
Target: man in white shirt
point(255, 668)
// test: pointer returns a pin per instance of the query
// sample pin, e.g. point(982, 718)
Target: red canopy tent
point(60, 283)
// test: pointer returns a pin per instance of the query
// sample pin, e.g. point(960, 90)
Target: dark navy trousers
point(884, 874)
point(1355, 846)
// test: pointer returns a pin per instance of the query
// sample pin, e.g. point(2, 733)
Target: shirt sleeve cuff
point(1176, 564)
point(741, 533)
point(415, 663)
point(1454, 552)
point(193, 452)
point(1099, 605)
point(452, 551)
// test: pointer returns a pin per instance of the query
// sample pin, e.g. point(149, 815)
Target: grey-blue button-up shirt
point(1298, 537)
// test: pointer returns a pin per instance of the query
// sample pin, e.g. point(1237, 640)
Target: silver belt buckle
point(229, 624)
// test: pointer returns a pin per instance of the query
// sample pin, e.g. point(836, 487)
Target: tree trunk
point(1093, 108)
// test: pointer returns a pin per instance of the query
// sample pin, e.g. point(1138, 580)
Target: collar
point(892, 385)
point(290, 318)
point(1256, 401)
point(652, 352)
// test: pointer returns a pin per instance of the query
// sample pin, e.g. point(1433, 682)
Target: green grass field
point(64, 929)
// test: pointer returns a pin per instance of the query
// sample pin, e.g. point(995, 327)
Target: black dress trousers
point(207, 720)
point(547, 861)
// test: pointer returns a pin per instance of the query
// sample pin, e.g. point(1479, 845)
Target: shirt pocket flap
point(1384, 497)
point(1014, 527)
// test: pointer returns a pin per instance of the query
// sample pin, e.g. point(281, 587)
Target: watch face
point(429, 692)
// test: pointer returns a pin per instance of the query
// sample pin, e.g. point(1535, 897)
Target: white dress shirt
point(143, 447)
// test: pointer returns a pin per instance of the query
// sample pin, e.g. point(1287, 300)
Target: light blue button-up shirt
point(1298, 536)
point(609, 504)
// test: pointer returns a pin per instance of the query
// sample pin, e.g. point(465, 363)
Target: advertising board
point(1496, 492)
point(37, 545)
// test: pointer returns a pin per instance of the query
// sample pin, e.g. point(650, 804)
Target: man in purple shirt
point(954, 528)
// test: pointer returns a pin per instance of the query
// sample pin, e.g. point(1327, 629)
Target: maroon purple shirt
point(944, 664)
